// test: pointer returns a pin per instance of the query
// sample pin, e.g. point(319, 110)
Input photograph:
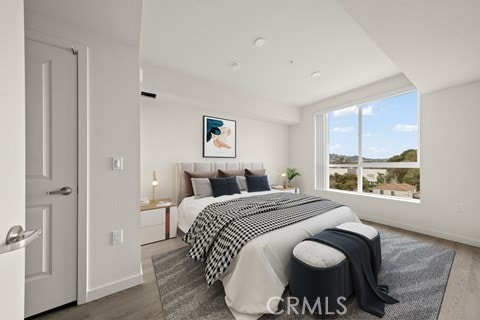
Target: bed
point(260, 271)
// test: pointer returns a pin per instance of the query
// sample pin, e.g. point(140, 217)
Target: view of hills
point(340, 159)
point(409, 155)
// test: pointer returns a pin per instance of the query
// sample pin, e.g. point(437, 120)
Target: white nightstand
point(158, 221)
point(287, 189)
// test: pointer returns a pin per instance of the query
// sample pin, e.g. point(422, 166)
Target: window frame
point(322, 164)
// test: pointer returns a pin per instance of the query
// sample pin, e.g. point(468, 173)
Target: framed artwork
point(219, 138)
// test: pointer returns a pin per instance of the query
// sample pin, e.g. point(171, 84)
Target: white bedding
point(261, 270)
point(190, 207)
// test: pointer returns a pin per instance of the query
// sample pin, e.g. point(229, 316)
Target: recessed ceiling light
point(235, 65)
point(259, 42)
point(315, 74)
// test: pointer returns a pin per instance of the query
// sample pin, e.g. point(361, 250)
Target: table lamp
point(154, 184)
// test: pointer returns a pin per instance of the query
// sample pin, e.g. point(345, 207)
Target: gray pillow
point(187, 181)
point(201, 188)
point(242, 182)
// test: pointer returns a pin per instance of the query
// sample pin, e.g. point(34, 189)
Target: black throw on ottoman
point(320, 271)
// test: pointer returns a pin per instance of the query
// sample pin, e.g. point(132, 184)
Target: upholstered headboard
point(207, 166)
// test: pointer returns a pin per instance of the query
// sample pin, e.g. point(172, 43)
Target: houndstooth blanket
point(223, 228)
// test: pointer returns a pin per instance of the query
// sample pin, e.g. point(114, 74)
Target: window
point(376, 141)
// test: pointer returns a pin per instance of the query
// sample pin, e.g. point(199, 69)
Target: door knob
point(65, 191)
point(17, 238)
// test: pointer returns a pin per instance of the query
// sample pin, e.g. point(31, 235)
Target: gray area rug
point(416, 272)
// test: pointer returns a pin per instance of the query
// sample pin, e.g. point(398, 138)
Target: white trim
point(321, 152)
point(374, 195)
point(82, 161)
point(83, 174)
point(384, 95)
point(113, 287)
point(377, 165)
point(323, 160)
point(427, 231)
point(360, 149)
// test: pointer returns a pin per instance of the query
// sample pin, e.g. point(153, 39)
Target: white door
point(12, 159)
point(51, 164)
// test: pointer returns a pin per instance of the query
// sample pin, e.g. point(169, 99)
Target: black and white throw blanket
point(223, 228)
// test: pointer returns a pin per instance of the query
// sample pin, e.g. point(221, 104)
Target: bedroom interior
point(271, 76)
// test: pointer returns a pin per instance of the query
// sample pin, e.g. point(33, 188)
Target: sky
point(389, 127)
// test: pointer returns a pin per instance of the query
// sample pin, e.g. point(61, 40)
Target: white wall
point(189, 91)
point(172, 132)
point(113, 129)
point(12, 161)
point(448, 150)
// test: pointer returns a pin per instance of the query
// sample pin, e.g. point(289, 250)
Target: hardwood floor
point(462, 296)
point(461, 300)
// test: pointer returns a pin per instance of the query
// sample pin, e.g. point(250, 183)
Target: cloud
point(345, 112)
point(334, 147)
point(406, 127)
point(366, 111)
point(343, 129)
point(367, 134)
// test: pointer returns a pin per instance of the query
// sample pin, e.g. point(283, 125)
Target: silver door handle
point(17, 239)
point(65, 191)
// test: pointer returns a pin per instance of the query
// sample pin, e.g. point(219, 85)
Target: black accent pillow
point(233, 185)
point(257, 183)
point(224, 186)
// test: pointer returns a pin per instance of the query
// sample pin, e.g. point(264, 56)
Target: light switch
point(117, 163)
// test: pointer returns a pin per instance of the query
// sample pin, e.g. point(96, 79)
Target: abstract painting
point(219, 138)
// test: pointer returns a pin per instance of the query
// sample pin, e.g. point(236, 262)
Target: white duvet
point(260, 271)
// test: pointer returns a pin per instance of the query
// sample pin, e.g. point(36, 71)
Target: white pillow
point(201, 187)
point(242, 183)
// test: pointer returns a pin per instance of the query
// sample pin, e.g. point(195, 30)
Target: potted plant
point(291, 173)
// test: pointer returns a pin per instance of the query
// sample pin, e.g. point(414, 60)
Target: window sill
point(371, 195)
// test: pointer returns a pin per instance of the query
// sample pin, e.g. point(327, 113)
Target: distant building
point(395, 189)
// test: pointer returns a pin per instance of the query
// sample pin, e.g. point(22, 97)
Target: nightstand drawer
point(152, 217)
point(158, 222)
point(152, 234)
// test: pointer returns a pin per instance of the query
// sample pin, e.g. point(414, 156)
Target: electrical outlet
point(117, 236)
point(459, 207)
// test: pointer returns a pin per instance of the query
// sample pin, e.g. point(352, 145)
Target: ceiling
point(435, 43)
point(116, 19)
point(350, 42)
point(203, 38)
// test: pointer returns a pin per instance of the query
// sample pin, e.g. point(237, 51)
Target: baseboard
point(427, 231)
point(114, 287)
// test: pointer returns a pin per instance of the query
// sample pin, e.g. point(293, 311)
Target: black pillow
point(257, 183)
point(224, 186)
point(233, 185)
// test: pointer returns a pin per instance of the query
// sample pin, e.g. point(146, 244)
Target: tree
point(380, 178)
point(347, 181)
point(404, 175)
